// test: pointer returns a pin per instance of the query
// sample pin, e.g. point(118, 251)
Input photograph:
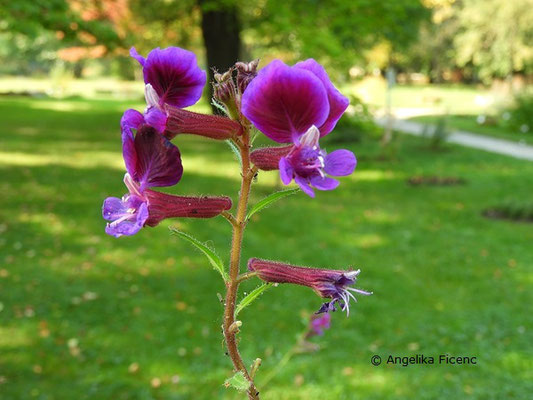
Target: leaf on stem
point(271, 198)
point(213, 257)
point(250, 297)
point(235, 150)
point(238, 381)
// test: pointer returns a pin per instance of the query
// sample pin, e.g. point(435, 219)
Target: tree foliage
point(496, 36)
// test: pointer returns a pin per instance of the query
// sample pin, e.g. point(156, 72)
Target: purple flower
point(308, 164)
point(327, 283)
point(151, 160)
point(127, 215)
point(319, 323)
point(284, 102)
point(173, 75)
point(172, 78)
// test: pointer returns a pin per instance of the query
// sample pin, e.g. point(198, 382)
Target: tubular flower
point(331, 284)
point(284, 102)
point(152, 161)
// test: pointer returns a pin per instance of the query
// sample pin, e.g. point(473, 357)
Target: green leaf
point(213, 257)
point(235, 150)
point(267, 201)
point(250, 297)
point(238, 381)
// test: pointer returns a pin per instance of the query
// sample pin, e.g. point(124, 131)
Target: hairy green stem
point(239, 223)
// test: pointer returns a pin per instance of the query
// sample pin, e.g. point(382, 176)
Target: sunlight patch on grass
point(12, 338)
point(380, 216)
point(368, 240)
point(372, 175)
point(74, 160)
point(61, 106)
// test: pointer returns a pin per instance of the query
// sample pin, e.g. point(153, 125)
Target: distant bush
point(356, 123)
point(519, 115)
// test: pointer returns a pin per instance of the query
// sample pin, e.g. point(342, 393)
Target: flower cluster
point(298, 105)
point(172, 80)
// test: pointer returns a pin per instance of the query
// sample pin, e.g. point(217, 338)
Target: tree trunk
point(221, 31)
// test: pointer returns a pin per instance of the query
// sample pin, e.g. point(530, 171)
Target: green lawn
point(87, 316)
point(468, 123)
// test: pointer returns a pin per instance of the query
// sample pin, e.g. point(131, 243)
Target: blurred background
point(442, 233)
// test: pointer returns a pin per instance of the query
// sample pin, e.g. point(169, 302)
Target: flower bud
point(245, 73)
point(211, 126)
point(224, 89)
point(267, 158)
point(163, 205)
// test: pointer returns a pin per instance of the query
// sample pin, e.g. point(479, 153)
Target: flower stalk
point(232, 285)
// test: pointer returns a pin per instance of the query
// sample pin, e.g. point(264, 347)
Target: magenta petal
point(324, 183)
point(304, 186)
point(175, 76)
point(156, 118)
point(137, 56)
point(285, 171)
point(284, 102)
point(337, 102)
point(131, 119)
point(158, 160)
point(340, 163)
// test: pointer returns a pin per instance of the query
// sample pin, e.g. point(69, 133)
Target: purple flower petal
point(284, 102)
point(131, 119)
point(285, 171)
point(129, 226)
point(175, 76)
point(158, 160)
point(340, 163)
point(156, 118)
point(137, 56)
point(304, 186)
point(325, 183)
point(113, 208)
point(337, 102)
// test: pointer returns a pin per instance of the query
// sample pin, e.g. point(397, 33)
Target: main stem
point(231, 329)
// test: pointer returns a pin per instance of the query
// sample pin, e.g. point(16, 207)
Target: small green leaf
point(238, 381)
point(250, 297)
point(235, 150)
point(219, 107)
point(271, 198)
point(213, 257)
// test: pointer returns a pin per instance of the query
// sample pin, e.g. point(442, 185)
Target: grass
point(87, 316)
point(469, 123)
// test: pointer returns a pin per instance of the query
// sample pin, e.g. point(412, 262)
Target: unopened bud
point(245, 73)
point(224, 91)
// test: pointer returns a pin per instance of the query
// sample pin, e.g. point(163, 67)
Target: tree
point(495, 36)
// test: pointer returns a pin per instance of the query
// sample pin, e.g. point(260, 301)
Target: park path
point(468, 139)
